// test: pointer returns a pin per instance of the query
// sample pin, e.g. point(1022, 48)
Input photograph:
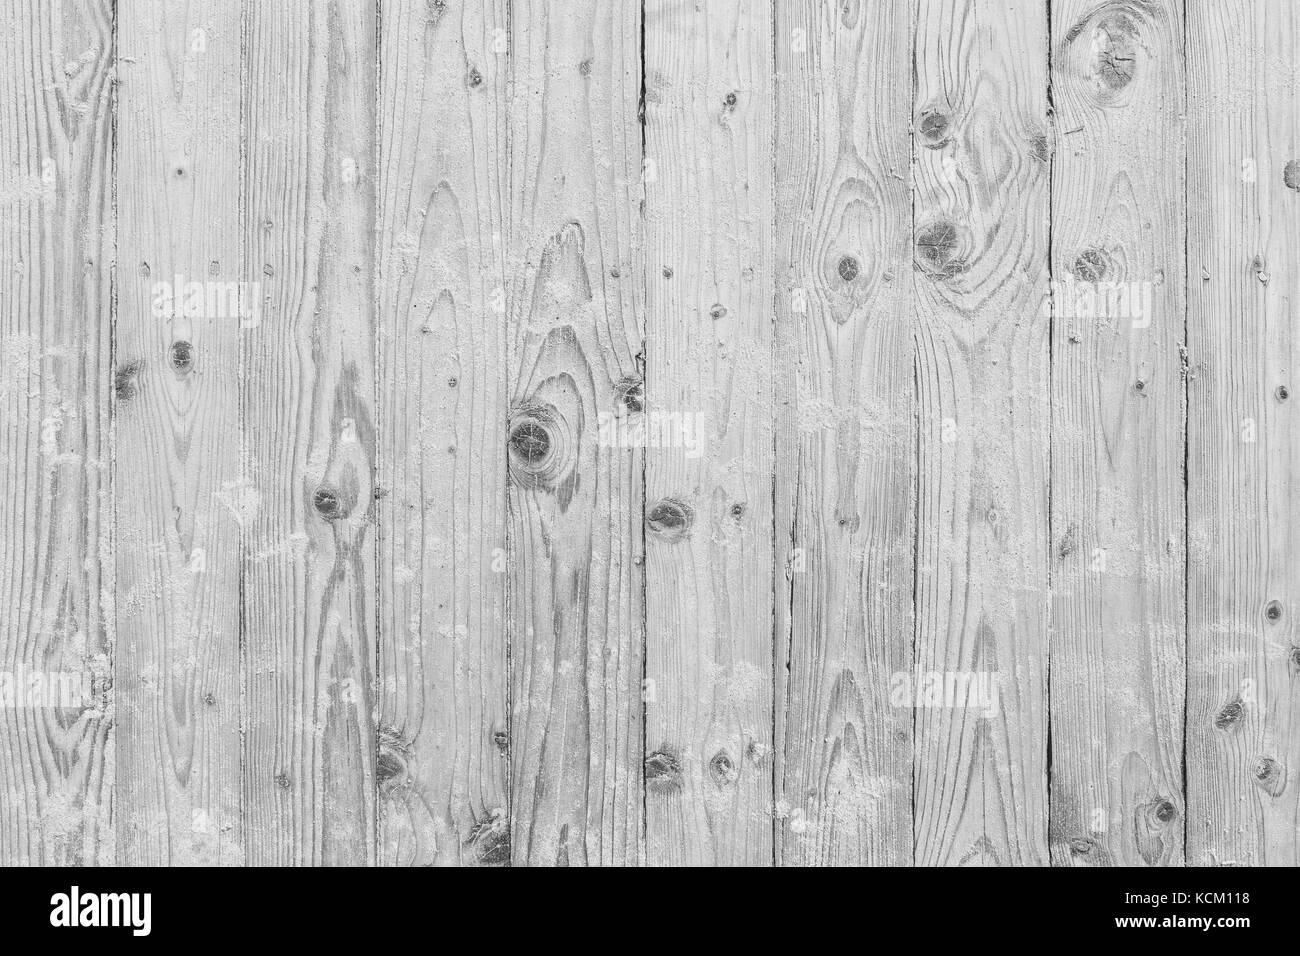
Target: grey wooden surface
point(579, 432)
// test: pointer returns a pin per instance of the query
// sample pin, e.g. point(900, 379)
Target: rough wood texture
point(1243, 453)
point(733, 432)
point(980, 249)
point(845, 485)
point(575, 503)
point(180, 492)
point(1118, 636)
point(56, 557)
point(706, 412)
point(444, 734)
point(308, 587)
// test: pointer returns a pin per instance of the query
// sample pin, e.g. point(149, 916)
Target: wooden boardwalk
point(729, 432)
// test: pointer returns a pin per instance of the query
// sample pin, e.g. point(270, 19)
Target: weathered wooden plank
point(981, 238)
point(56, 576)
point(575, 504)
point(1243, 450)
point(846, 432)
point(443, 398)
point(179, 492)
point(1118, 626)
point(308, 384)
point(705, 420)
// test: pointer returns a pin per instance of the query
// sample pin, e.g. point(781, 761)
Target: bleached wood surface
point(578, 432)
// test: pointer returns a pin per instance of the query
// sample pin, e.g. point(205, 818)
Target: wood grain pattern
point(56, 573)
point(1118, 630)
point(307, 387)
point(1243, 575)
point(444, 734)
point(845, 485)
point(706, 423)
point(981, 231)
point(575, 505)
point(563, 432)
point(179, 490)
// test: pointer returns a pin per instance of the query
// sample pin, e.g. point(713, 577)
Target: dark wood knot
point(540, 449)
point(328, 504)
point(938, 249)
point(1230, 715)
point(663, 771)
point(934, 127)
point(1270, 776)
point(630, 394)
point(670, 519)
point(723, 769)
point(1091, 264)
point(126, 380)
point(182, 356)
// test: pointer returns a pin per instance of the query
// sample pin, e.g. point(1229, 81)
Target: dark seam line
point(645, 625)
point(375, 683)
point(241, 218)
point(1187, 627)
point(916, 398)
point(1051, 421)
point(775, 116)
point(112, 364)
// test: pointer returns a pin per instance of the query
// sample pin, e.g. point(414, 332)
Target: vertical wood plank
point(1118, 627)
point(845, 480)
point(179, 494)
point(1243, 456)
point(56, 576)
point(575, 505)
point(981, 239)
point(705, 418)
point(309, 431)
point(443, 739)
